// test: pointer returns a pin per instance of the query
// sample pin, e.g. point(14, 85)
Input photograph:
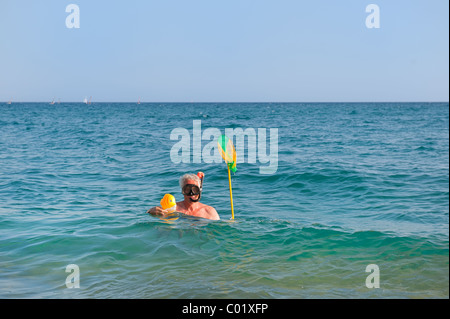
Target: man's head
point(191, 187)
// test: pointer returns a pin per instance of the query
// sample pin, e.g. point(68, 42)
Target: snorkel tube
point(200, 175)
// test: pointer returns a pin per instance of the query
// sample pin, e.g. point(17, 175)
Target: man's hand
point(157, 210)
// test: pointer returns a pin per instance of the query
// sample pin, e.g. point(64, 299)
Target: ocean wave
point(258, 257)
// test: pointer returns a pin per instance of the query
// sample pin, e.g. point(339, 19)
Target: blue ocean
point(357, 205)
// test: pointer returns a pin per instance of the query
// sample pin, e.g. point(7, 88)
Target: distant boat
point(9, 102)
point(85, 101)
point(139, 101)
point(52, 102)
point(90, 100)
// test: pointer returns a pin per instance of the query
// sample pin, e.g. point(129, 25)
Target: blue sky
point(219, 51)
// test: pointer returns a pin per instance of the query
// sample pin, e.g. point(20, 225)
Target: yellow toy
point(168, 203)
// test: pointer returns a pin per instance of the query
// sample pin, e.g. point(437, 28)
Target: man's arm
point(157, 210)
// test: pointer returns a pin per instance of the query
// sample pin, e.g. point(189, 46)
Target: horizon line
point(210, 102)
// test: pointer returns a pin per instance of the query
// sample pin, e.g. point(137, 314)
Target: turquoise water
point(356, 184)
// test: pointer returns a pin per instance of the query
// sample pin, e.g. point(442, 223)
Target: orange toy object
point(168, 203)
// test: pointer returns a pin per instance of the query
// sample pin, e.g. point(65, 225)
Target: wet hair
point(186, 177)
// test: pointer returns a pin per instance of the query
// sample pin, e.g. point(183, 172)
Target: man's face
point(189, 189)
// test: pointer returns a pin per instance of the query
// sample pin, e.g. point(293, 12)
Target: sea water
point(357, 184)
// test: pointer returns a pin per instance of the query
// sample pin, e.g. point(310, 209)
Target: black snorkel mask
point(192, 190)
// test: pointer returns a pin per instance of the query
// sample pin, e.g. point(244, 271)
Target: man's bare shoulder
point(211, 212)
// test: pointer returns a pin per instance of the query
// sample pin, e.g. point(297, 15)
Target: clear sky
point(224, 50)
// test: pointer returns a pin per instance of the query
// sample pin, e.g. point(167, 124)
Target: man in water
point(191, 189)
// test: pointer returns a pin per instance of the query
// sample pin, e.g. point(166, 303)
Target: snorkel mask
point(192, 189)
